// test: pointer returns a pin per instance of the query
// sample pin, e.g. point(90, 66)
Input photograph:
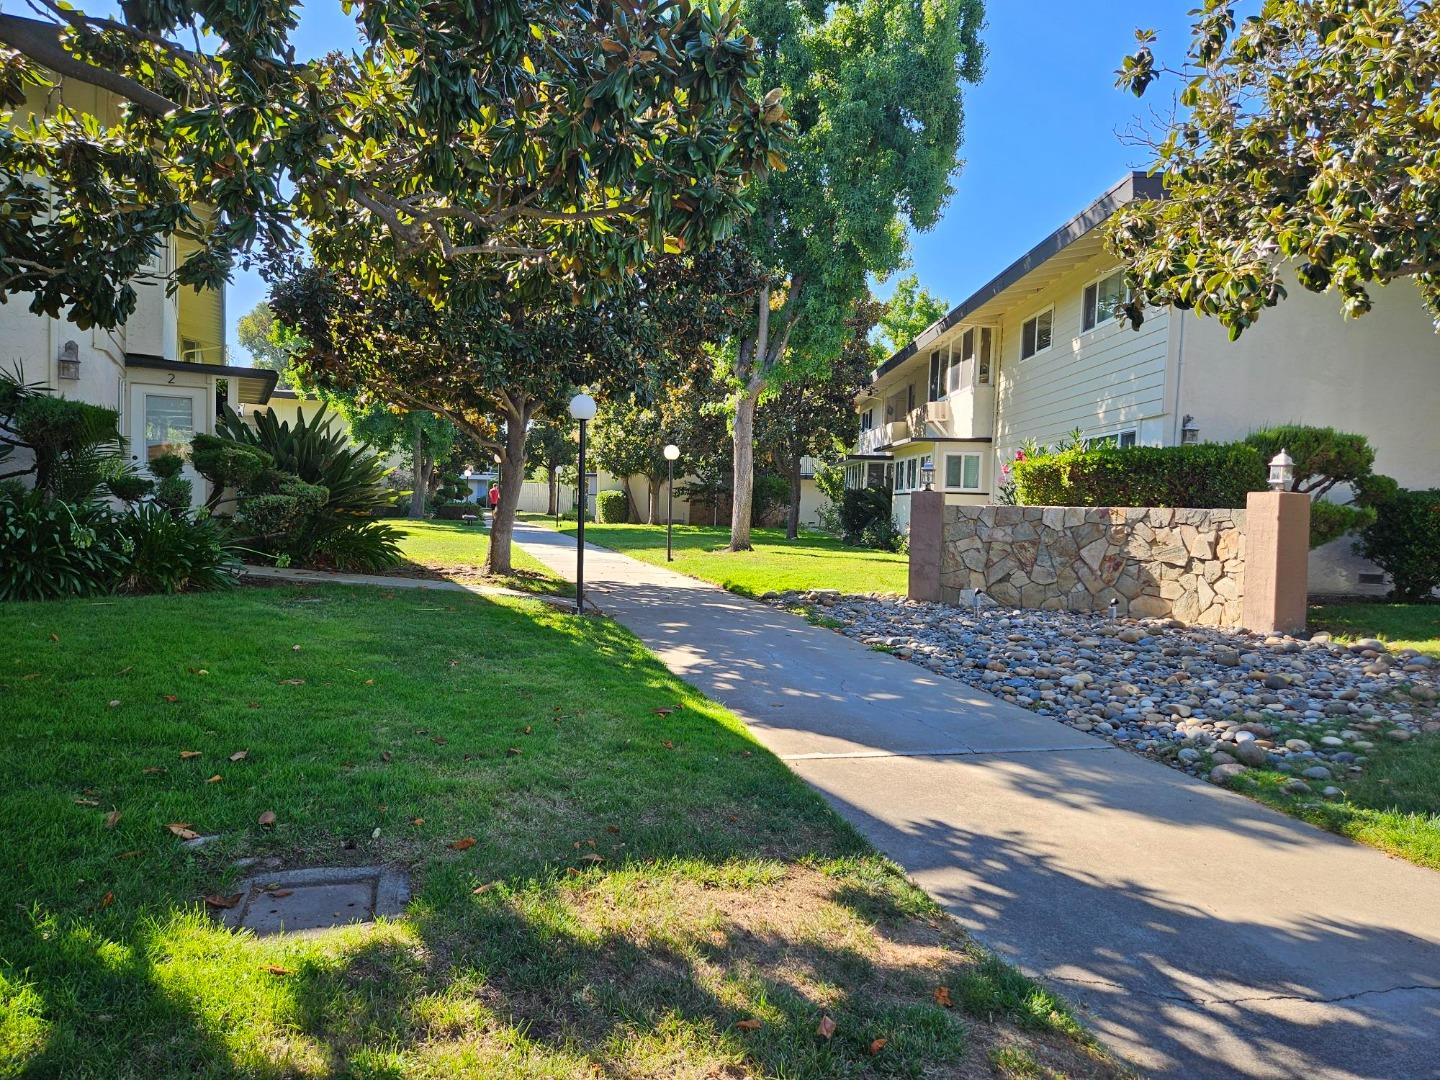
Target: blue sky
point(1041, 132)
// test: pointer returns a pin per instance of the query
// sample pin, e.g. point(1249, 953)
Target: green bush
point(1323, 456)
point(129, 487)
point(860, 509)
point(170, 553)
point(882, 535)
point(50, 548)
point(301, 489)
point(612, 507)
point(454, 511)
point(1330, 521)
point(72, 445)
point(1404, 541)
point(1204, 476)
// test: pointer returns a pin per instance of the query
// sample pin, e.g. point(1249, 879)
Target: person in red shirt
point(494, 499)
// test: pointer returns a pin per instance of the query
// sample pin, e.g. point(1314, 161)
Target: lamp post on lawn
point(671, 453)
point(582, 408)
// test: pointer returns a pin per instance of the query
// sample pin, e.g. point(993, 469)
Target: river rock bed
point(1213, 703)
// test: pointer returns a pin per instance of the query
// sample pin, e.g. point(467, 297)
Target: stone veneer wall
point(1184, 564)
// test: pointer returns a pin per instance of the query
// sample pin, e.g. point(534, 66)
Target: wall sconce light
point(927, 476)
point(70, 360)
point(1282, 471)
point(1189, 433)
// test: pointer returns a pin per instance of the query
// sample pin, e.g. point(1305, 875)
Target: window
point(1103, 300)
point(169, 425)
point(909, 399)
point(1036, 333)
point(982, 373)
point(867, 419)
point(962, 472)
point(912, 469)
point(939, 373)
point(1118, 438)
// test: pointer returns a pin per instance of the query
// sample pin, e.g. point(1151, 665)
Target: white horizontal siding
point(1108, 378)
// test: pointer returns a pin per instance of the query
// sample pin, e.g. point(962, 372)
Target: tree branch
point(41, 43)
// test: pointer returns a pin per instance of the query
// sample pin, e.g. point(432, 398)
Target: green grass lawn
point(456, 551)
point(776, 564)
point(643, 877)
point(1402, 626)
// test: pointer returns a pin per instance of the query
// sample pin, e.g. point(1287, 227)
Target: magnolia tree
point(874, 88)
point(494, 366)
point(1307, 137)
point(534, 145)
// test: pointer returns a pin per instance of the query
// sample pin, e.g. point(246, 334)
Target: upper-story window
point(867, 419)
point(1103, 300)
point(1036, 335)
point(941, 374)
point(982, 372)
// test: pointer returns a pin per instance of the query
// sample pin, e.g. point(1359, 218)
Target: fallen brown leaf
point(615, 829)
point(187, 755)
point(215, 779)
point(171, 698)
point(86, 802)
point(112, 819)
point(129, 854)
point(514, 751)
point(280, 894)
point(668, 745)
point(267, 818)
point(463, 844)
point(942, 997)
point(215, 900)
point(479, 889)
point(825, 1028)
point(876, 1045)
point(439, 740)
point(239, 755)
point(748, 1025)
point(198, 671)
point(591, 857)
point(385, 755)
point(663, 712)
point(182, 830)
point(417, 821)
point(153, 770)
point(114, 702)
point(369, 682)
point(276, 969)
point(107, 900)
point(292, 682)
point(54, 637)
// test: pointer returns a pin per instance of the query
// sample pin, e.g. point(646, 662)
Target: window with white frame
point(962, 472)
point(1103, 300)
point(867, 419)
point(982, 372)
point(1036, 334)
point(1114, 438)
point(941, 374)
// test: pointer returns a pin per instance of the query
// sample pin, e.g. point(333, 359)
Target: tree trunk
point(744, 484)
point(792, 518)
point(417, 474)
point(654, 500)
point(512, 478)
point(553, 503)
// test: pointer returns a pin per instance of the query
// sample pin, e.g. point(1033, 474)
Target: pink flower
point(1019, 455)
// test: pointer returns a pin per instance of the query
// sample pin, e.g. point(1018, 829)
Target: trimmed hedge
point(612, 507)
point(1404, 541)
point(1204, 476)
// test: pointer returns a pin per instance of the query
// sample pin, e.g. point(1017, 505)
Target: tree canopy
point(256, 330)
point(533, 143)
point(1310, 136)
point(910, 310)
point(875, 92)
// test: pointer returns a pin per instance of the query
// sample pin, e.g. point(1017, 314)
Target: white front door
point(163, 420)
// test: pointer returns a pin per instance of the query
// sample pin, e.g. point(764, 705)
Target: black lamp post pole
point(670, 511)
point(580, 529)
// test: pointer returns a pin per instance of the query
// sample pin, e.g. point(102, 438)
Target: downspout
point(1176, 421)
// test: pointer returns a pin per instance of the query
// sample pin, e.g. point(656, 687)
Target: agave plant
point(319, 453)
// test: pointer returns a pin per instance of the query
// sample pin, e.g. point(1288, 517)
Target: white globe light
point(672, 452)
point(582, 407)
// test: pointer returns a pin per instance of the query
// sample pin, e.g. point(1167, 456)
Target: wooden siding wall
point(1101, 380)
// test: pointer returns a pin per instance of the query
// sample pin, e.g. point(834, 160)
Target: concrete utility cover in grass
point(294, 901)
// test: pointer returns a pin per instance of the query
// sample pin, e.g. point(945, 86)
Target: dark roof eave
point(1137, 185)
point(267, 376)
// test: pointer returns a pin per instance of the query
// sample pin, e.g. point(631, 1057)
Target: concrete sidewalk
point(1200, 933)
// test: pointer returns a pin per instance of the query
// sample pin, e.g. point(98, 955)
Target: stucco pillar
point(1277, 558)
point(927, 529)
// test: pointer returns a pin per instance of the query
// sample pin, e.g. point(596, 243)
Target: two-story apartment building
point(164, 370)
point(1038, 352)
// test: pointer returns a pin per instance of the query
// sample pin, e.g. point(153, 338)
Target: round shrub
point(1404, 541)
point(172, 553)
point(612, 507)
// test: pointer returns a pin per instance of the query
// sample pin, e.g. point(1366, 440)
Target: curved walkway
point(1199, 933)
